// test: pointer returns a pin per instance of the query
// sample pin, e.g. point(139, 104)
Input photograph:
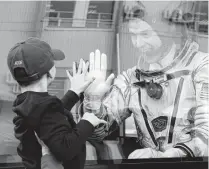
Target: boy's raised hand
point(78, 80)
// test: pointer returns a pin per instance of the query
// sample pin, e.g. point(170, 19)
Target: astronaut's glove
point(99, 88)
point(92, 103)
point(144, 153)
point(151, 153)
point(98, 70)
point(173, 152)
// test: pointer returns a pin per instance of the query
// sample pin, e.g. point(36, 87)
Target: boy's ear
point(49, 75)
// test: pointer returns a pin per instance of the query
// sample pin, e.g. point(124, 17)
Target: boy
point(31, 64)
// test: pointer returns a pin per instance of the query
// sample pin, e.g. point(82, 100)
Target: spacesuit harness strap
point(146, 120)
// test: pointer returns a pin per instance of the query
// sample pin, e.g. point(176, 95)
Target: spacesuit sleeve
point(198, 146)
point(114, 108)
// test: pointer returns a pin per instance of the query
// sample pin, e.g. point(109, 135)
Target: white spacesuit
point(169, 101)
point(180, 117)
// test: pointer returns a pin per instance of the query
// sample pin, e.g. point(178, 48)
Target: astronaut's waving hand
point(98, 65)
point(98, 70)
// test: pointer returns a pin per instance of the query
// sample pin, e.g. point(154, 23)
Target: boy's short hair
point(28, 61)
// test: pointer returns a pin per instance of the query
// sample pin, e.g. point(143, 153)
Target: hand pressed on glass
point(98, 70)
point(79, 82)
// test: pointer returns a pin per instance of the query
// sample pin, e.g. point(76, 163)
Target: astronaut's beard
point(156, 106)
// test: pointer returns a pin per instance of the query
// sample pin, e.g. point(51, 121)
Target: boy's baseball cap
point(33, 55)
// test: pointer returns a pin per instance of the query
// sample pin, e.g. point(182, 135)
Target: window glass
point(147, 29)
point(158, 51)
point(60, 13)
point(100, 14)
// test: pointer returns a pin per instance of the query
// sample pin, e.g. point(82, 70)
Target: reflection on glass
point(163, 91)
point(162, 35)
point(163, 104)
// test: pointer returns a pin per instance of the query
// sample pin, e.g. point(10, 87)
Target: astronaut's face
point(145, 39)
point(148, 30)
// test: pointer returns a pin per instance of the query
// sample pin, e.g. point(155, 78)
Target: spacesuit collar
point(189, 48)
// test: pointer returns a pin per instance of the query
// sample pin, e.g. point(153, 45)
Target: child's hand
point(78, 80)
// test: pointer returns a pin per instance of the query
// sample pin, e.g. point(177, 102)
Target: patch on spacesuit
point(160, 123)
point(204, 92)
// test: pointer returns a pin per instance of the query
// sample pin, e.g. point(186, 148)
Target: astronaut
point(168, 98)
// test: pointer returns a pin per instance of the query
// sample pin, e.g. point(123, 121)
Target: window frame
point(46, 26)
